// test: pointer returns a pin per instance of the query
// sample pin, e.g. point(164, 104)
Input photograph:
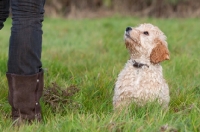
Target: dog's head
point(146, 41)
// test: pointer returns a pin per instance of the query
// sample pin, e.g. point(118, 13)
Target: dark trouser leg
point(26, 37)
point(4, 11)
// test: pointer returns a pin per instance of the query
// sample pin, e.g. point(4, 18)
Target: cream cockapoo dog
point(141, 80)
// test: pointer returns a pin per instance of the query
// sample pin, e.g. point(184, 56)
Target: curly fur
point(147, 45)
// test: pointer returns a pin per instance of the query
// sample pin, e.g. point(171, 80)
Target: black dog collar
point(139, 65)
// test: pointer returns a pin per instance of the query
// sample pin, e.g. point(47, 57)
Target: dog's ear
point(159, 53)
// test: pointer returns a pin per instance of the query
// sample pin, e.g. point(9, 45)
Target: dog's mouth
point(127, 35)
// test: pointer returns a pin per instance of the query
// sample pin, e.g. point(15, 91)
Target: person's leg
point(4, 11)
point(26, 37)
point(25, 74)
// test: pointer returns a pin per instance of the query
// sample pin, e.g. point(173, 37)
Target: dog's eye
point(146, 33)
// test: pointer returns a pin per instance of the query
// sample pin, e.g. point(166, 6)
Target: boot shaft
point(25, 92)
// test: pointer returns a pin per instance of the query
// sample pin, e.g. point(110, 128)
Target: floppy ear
point(159, 53)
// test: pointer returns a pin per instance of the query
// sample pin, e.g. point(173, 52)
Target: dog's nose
point(128, 29)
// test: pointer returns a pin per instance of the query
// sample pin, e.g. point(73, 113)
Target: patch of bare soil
point(59, 98)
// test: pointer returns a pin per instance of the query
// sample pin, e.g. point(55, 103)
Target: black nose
point(128, 29)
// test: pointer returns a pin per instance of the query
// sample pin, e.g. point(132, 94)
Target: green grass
point(89, 54)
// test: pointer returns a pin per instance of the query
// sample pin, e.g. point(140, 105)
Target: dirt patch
point(59, 98)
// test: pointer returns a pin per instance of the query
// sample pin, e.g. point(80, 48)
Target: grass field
point(89, 54)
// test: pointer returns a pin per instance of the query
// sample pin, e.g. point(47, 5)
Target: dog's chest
point(137, 81)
